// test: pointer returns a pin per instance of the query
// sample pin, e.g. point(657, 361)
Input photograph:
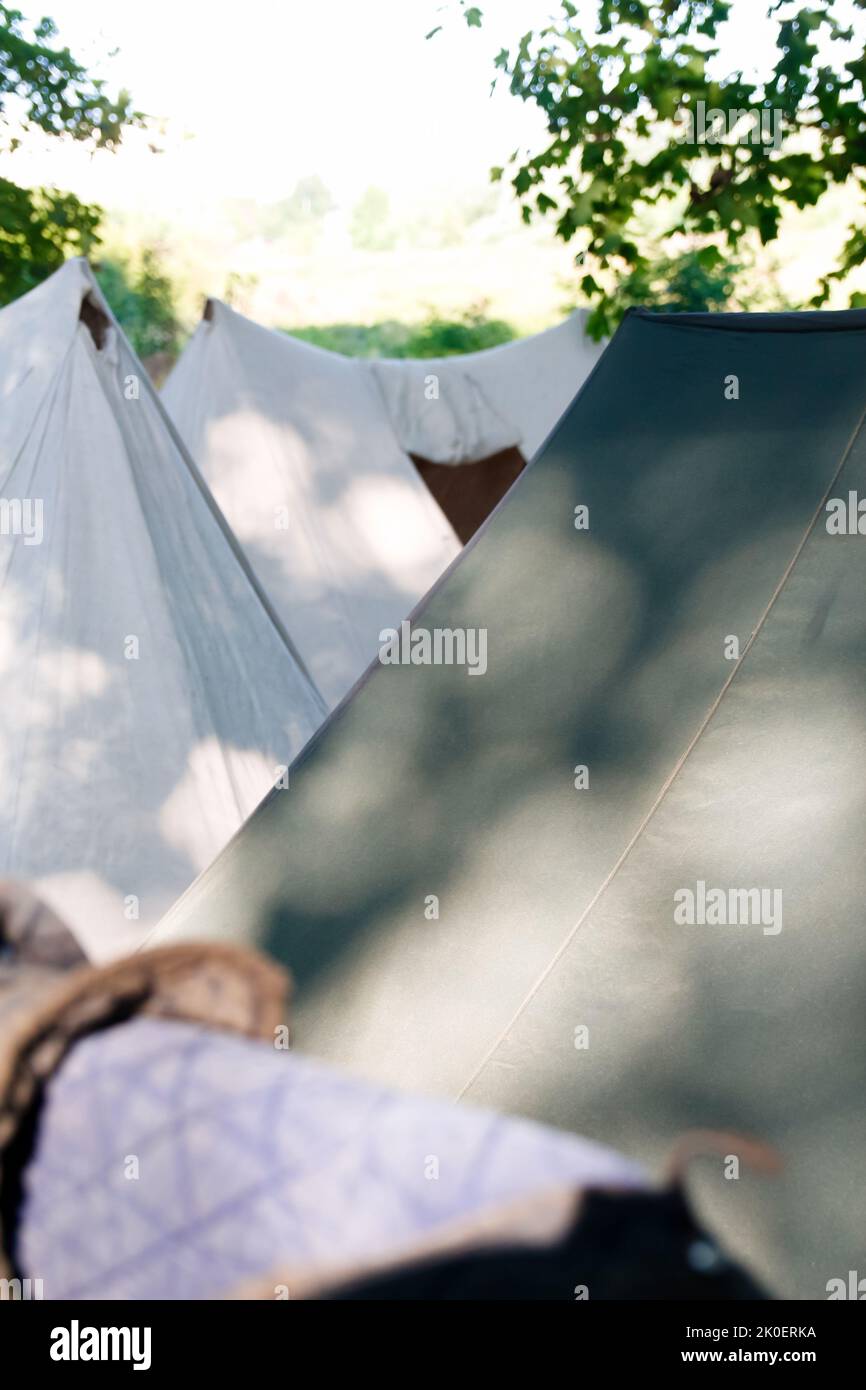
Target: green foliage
point(472, 332)
point(310, 200)
point(306, 205)
point(697, 281)
point(370, 228)
point(615, 93)
point(52, 92)
point(684, 284)
point(143, 299)
point(238, 286)
point(298, 221)
point(57, 94)
point(39, 228)
point(436, 337)
point(471, 13)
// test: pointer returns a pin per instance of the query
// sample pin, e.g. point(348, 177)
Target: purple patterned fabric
point(173, 1161)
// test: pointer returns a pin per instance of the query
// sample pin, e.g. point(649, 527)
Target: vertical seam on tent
point(102, 368)
point(673, 774)
point(216, 513)
point(108, 374)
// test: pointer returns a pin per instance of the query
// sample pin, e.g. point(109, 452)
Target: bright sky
point(257, 95)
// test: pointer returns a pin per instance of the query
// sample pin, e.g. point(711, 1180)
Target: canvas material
point(440, 412)
point(551, 978)
point(465, 408)
point(249, 1160)
point(296, 445)
point(125, 769)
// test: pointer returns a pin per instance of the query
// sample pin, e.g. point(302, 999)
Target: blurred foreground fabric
point(173, 1161)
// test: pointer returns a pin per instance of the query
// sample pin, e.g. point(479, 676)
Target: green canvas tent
point(616, 880)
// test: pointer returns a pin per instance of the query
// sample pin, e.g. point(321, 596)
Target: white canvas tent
point(148, 692)
point(298, 449)
point(462, 409)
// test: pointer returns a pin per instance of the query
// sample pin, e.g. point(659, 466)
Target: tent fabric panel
point(793, 321)
point(35, 333)
point(604, 648)
point(439, 410)
point(507, 396)
point(295, 444)
point(761, 1027)
point(126, 773)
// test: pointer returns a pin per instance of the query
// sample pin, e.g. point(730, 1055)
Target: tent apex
point(213, 308)
point(94, 318)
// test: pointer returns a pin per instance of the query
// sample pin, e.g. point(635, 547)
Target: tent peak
point(214, 309)
point(93, 310)
point(94, 319)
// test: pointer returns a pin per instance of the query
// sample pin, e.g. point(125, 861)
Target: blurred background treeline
point(403, 208)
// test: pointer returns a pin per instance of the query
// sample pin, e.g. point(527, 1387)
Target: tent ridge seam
point(192, 468)
point(675, 771)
